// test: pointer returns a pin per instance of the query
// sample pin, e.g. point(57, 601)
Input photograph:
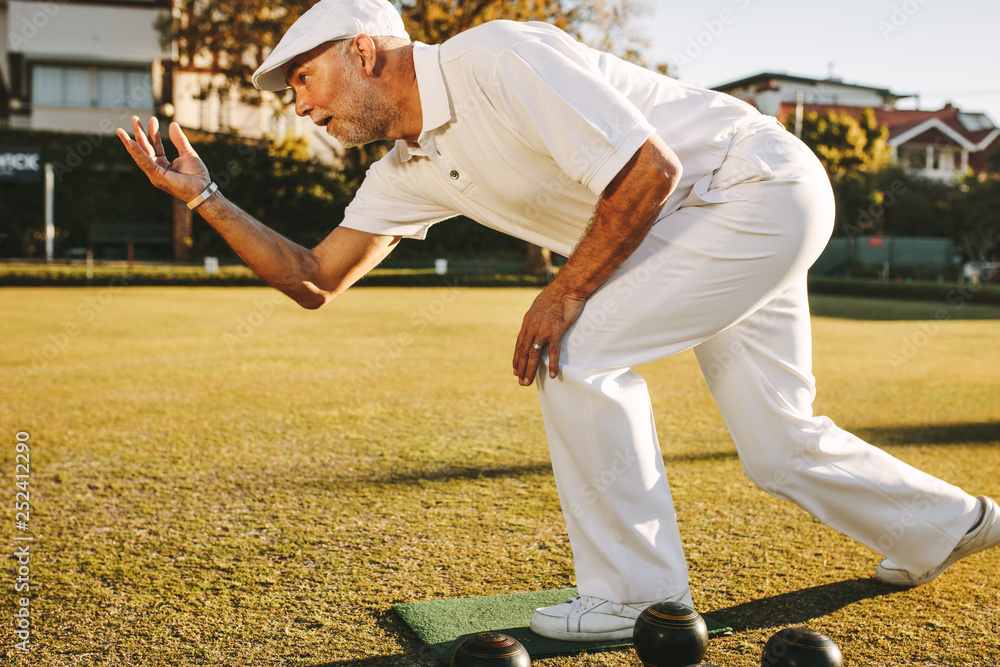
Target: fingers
point(141, 139)
point(519, 358)
point(554, 349)
point(527, 356)
point(141, 155)
point(533, 356)
point(545, 324)
point(180, 140)
point(154, 137)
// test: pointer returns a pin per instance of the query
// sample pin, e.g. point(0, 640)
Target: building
point(88, 66)
point(769, 91)
point(81, 66)
point(943, 144)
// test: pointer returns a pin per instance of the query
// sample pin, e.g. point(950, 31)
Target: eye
point(302, 77)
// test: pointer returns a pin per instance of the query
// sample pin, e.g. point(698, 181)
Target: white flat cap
point(326, 21)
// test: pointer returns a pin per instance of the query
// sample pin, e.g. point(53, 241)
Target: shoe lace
point(582, 603)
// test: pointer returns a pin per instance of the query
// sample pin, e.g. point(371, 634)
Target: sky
point(942, 50)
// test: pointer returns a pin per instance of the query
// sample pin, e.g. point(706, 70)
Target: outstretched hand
point(185, 177)
point(545, 324)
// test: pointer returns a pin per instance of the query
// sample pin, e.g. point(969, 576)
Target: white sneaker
point(984, 536)
point(589, 619)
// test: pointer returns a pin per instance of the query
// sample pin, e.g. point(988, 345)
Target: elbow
point(308, 286)
point(311, 297)
point(314, 303)
point(671, 172)
point(663, 167)
point(306, 293)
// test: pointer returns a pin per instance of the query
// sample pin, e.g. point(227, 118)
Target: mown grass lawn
point(220, 478)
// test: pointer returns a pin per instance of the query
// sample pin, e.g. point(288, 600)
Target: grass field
point(220, 478)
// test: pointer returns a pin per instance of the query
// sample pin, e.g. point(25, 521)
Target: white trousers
point(725, 274)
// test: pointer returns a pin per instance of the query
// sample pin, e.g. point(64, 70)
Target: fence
point(887, 257)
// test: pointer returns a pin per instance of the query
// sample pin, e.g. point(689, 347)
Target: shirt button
point(454, 175)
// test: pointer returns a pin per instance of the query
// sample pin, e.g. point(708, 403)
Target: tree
point(228, 39)
point(976, 214)
point(854, 151)
point(847, 145)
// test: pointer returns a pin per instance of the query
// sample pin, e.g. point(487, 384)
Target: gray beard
point(372, 117)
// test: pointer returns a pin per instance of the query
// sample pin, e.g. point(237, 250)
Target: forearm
point(623, 217)
point(281, 263)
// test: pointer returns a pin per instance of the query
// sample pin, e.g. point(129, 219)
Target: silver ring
point(536, 346)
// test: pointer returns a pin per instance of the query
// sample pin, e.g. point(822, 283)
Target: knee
point(774, 480)
point(777, 473)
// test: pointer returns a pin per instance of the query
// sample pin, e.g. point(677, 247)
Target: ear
point(367, 51)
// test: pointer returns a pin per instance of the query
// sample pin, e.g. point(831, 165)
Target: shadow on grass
point(437, 473)
point(799, 606)
point(933, 434)
point(700, 456)
point(923, 434)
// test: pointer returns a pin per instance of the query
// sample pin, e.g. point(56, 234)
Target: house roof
point(974, 132)
point(768, 76)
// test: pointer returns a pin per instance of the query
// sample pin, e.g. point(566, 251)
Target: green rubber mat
point(443, 624)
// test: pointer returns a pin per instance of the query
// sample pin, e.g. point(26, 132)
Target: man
point(689, 220)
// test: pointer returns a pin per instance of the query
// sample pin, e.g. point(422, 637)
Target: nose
point(302, 104)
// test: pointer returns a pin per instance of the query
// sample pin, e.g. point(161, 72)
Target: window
point(61, 86)
point(975, 121)
point(914, 157)
point(945, 160)
point(103, 87)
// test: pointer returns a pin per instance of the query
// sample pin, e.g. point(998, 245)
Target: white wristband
point(200, 199)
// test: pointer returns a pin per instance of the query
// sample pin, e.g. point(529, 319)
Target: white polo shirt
point(523, 129)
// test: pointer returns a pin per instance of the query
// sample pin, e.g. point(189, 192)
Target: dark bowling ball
point(670, 634)
point(800, 647)
point(490, 649)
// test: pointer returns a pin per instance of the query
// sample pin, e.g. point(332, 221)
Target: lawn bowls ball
point(490, 649)
point(800, 647)
point(670, 634)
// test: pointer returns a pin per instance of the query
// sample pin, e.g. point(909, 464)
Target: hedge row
point(984, 293)
point(60, 275)
point(462, 274)
point(96, 181)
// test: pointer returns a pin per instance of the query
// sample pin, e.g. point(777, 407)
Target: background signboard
point(20, 164)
